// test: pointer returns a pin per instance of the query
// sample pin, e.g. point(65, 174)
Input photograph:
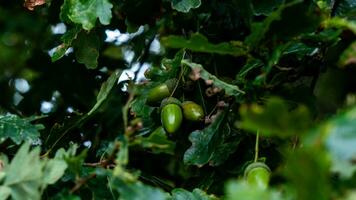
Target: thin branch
point(256, 146)
point(81, 182)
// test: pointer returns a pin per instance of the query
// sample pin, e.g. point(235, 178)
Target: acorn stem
point(202, 98)
point(256, 146)
point(180, 77)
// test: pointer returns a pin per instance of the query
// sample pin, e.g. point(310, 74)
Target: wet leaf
point(200, 43)
point(87, 12)
point(265, 7)
point(18, 129)
point(251, 64)
point(67, 40)
point(229, 89)
point(210, 145)
point(86, 49)
point(185, 5)
point(158, 142)
point(105, 90)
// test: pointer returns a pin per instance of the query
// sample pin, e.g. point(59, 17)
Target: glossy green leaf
point(158, 142)
point(224, 148)
point(140, 107)
point(18, 129)
point(299, 49)
point(272, 61)
point(328, 36)
point(103, 94)
point(229, 89)
point(200, 43)
point(67, 40)
point(173, 66)
point(185, 5)
point(265, 7)
point(86, 49)
point(105, 90)
point(252, 63)
point(196, 194)
point(210, 145)
point(87, 12)
point(275, 118)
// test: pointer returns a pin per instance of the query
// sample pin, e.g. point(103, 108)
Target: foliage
point(22, 182)
point(274, 79)
point(18, 129)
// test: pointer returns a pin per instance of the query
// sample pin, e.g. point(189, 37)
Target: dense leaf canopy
point(83, 84)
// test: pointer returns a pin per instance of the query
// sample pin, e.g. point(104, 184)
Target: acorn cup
point(258, 175)
point(192, 111)
point(171, 114)
point(158, 93)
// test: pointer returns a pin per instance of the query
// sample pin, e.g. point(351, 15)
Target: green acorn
point(156, 94)
point(192, 111)
point(171, 114)
point(258, 175)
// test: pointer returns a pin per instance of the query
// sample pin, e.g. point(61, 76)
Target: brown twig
point(80, 182)
point(104, 163)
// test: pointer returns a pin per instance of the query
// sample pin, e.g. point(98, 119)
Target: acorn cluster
point(173, 111)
